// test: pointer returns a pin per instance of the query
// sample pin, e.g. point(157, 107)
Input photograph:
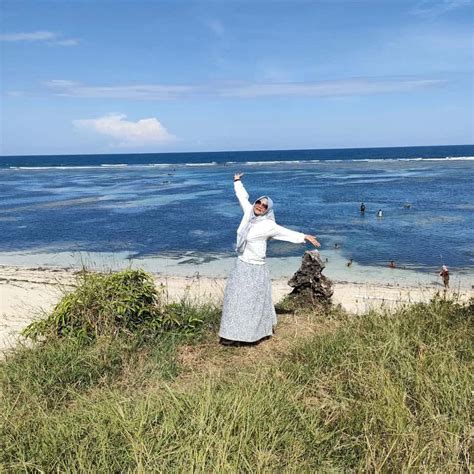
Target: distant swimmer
point(380, 213)
point(362, 208)
point(349, 263)
point(407, 205)
point(444, 274)
point(336, 245)
point(392, 264)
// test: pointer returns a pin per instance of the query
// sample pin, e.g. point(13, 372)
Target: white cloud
point(62, 83)
point(430, 8)
point(47, 37)
point(148, 131)
point(32, 36)
point(333, 88)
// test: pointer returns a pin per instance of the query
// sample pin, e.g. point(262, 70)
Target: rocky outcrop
point(309, 285)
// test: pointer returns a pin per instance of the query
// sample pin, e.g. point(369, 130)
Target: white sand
point(29, 293)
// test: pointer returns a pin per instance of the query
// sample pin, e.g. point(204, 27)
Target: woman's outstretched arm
point(279, 232)
point(241, 193)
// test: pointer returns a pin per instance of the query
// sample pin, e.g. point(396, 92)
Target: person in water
point(349, 263)
point(248, 314)
point(444, 274)
point(392, 264)
point(362, 208)
point(379, 213)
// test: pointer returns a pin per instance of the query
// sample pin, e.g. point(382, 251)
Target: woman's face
point(260, 207)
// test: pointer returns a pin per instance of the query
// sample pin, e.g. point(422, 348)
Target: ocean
point(182, 205)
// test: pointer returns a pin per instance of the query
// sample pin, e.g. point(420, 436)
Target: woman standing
point(248, 315)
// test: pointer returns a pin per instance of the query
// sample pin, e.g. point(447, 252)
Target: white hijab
point(249, 220)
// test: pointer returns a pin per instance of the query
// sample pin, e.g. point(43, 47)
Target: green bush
point(125, 302)
point(111, 327)
point(102, 304)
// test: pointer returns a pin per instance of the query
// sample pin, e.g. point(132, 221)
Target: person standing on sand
point(248, 314)
point(444, 274)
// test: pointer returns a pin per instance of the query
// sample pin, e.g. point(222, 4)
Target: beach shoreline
point(29, 293)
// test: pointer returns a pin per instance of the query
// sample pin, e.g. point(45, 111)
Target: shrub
point(102, 304)
point(125, 302)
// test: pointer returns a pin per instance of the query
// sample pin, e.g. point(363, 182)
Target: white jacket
point(256, 248)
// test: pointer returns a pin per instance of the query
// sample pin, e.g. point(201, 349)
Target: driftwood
point(309, 285)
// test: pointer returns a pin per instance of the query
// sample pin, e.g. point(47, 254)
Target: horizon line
point(237, 151)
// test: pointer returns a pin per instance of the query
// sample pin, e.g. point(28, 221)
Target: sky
point(100, 76)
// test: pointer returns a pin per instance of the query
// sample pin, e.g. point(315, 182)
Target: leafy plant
point(102, 304)
point(120, 303)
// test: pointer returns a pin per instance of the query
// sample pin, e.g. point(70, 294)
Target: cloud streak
point(32, 36)
point(139, 91)
point(334, 88)
point(428, 8)
point(328, 88)
point(47, 37)
point(125, 133)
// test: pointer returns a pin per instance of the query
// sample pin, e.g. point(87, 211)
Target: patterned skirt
point(248, 313)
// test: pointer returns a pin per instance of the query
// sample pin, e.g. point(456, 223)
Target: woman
point(248, 315)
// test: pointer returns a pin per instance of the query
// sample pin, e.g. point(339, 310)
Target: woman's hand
point(312, 239)
point(237, 176)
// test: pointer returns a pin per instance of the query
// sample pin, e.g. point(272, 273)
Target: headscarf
point(444, 268)
point(245, 225)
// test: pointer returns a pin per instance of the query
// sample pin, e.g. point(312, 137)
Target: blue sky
point(153, 76)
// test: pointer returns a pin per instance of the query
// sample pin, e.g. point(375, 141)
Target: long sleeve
point(282, 233)
point(242, 196)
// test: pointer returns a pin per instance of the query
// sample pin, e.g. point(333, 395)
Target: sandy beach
point(28, 293)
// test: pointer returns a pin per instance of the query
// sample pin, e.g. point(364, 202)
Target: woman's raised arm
point(241, 193)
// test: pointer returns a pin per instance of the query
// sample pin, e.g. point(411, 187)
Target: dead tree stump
point(309, 285)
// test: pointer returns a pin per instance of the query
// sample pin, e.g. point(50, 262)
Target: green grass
point(380, 392)
point(393, 391)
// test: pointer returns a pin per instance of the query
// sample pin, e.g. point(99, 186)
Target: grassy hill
point(121, 379)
